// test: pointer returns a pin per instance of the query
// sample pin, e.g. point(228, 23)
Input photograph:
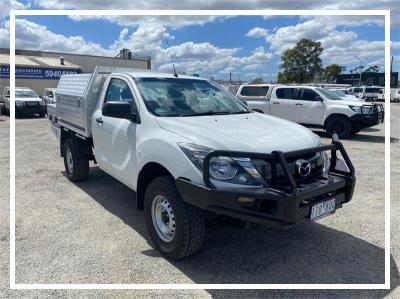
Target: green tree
point(332, 71)
point(257, 81)
point(301, 63)
point(372, 69)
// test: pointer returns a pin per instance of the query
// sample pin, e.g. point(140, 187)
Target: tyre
point(339, 125)
point(176, 227)
point(76, 166)
point(43, 114)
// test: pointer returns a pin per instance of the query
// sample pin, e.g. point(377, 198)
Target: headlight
point(367, 109)
point(356, 109)
point(19, 103)
point(225, 169)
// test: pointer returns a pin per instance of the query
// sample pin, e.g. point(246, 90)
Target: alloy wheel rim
point(70, 161)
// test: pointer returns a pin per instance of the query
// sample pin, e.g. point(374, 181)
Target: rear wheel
point(339, 125)
point(176, 227)
point(76, 165)
point(43, 114)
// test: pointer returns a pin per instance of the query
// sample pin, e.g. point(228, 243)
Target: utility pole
point(230, 77)
point(361, 68)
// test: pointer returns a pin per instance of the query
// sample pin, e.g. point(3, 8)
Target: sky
point(246, 46)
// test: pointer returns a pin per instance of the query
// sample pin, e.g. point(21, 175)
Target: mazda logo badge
point(303, 167)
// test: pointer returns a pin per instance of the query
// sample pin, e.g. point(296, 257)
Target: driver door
point(114, 139)
point(308, 107)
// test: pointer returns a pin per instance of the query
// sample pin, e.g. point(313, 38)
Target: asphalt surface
point(91, 232)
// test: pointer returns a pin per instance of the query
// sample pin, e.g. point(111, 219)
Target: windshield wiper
point(211, 112)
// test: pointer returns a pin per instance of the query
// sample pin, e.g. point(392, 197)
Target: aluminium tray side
point(71, 102)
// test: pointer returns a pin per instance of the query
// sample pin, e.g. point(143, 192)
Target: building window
point(381, 81)
point(370, 81)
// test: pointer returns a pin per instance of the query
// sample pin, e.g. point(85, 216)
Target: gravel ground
point(91, 232)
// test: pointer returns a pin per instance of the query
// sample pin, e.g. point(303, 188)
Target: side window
point(286, 93)
point(254, 91)
point(119, 90)
point(308, 95)
point(7, 93)
point(50, 94)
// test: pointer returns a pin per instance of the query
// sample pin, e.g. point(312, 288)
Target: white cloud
point(6, 5)
point(392, 5)
point(257, 32)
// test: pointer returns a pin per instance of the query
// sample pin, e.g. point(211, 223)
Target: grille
point(274, 175)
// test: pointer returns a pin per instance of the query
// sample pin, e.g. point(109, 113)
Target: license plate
point(323, 209)
point(32, 103)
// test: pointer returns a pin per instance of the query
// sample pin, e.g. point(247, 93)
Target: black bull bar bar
point(278, 157)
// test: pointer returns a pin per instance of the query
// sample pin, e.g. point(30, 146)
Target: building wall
point(35, 84)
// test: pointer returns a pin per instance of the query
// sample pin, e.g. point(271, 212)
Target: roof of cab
point(154, 74)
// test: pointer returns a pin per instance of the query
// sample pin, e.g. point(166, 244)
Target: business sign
point(36, 73)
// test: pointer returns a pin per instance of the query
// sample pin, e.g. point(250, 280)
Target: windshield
point(329, 94)
point(187, 97)
point(25, 94)
point(339, 93)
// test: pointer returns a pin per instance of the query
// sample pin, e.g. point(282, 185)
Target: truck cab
point(190, 150)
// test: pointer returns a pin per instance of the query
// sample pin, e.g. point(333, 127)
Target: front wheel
point(339, 125)
point(176, 227)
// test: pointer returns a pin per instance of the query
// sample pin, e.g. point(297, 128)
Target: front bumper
point(30, 109)
point(280, 209)
point(368, 120)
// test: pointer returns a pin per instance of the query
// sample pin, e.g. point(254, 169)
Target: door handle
point(275, 103)
point(99, 120)
point(298, 104)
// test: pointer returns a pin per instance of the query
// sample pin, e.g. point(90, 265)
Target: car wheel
point(176, 227)
point(339, 125)
point(43, 114)
point(76, 166)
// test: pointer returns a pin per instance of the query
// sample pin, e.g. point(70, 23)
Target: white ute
point(190, 150)
point(27, 102)
point(316, 107)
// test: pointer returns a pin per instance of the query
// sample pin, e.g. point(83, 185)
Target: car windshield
point(339, 93)
point(172, 97)
point(329, 94)
point(25, 94)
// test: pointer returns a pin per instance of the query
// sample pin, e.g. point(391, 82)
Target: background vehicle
point(187, 146)
point(318, 107)
point(369, 93)
point(256, 94)
point(49, 95)
point(27, 102)
point(395, 95)
point(355, 91)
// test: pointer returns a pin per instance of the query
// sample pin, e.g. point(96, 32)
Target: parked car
point(370, 93)
point(355, 91)
point(27, 102)
point(189, 149)
point(394, 95)
point(318, 107)
point(49, 95)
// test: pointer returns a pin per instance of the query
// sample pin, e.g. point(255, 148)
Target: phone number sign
point(36, 73)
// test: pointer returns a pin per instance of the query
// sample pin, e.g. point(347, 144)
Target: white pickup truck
point(27, 102)
point(314, 107)
point(189, 149)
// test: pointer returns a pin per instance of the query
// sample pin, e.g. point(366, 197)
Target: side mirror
point(120, 110)
point(318, 98)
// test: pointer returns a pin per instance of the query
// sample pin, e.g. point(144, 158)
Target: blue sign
point(22, 72)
